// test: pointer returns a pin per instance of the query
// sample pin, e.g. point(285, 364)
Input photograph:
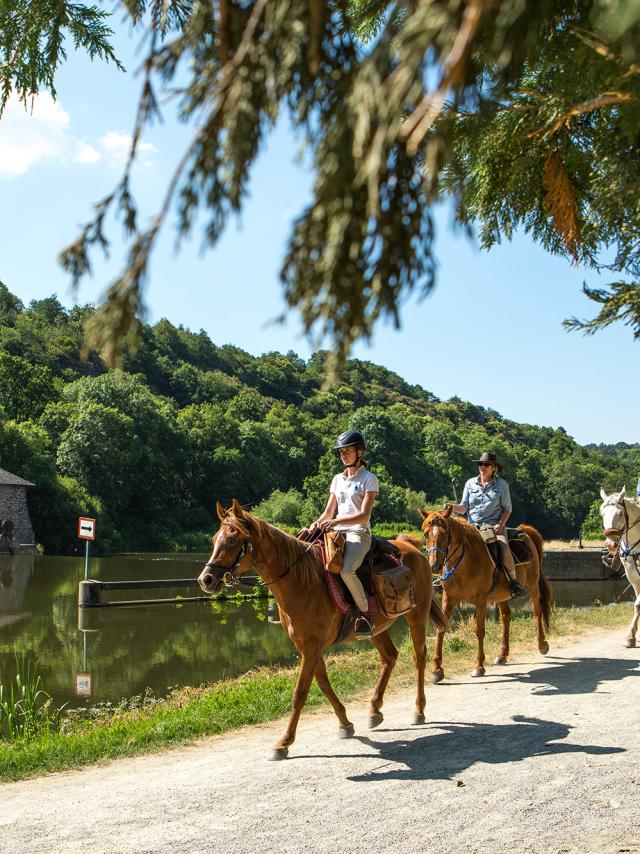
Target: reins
point(231, 579)
point(628, 551)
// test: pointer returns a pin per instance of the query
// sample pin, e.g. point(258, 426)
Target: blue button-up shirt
point(486, 503)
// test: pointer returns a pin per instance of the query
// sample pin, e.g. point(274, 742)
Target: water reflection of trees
point(154, 647)
point(15, 571)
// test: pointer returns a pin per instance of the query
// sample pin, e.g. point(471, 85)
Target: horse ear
point(423, 513)
point(220, 511)
point(448, 511)
point(236, 509)
point(623, 491)
point(603, 494)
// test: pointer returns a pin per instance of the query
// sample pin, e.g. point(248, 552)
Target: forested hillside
point(148, 451)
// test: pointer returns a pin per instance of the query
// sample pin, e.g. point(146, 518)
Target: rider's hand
point(499, 528)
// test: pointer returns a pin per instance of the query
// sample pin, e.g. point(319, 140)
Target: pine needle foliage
point(33, 43)
point(526, 111)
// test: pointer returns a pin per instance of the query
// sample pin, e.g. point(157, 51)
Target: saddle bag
point(334, 545)
point(394, 590)
point(487, 533)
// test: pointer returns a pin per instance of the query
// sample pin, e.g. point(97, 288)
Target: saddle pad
point(339, 594)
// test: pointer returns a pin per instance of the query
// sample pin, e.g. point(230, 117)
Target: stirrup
point(437, 583)
point(363, 626)
point(516, 589)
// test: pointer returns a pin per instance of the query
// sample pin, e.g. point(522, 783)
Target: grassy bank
point(265, 694)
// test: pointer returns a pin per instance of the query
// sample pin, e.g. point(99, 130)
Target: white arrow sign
point(86, 528)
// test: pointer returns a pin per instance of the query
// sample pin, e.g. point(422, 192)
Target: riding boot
point(516, 589)
point(363, 626)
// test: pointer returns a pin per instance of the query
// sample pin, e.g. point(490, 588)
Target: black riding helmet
point(350, 437)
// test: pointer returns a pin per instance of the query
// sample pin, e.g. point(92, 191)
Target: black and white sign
point(86, 528)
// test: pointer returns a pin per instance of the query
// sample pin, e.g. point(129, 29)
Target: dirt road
point(539, 756)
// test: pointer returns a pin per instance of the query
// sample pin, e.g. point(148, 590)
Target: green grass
point(26, 709)
point(265, 695)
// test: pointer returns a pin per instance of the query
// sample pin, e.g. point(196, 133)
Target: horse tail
point(438, 616)
point(544, 585)
point(413, 540)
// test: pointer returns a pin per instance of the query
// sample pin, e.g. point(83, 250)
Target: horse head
point(615, 518)
point(437, 534)
point(232, 553)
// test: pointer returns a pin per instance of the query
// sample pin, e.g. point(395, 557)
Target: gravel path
point(539, 756)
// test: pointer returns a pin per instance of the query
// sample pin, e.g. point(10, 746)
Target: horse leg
point(543, 646)
point(437, 671)
point(346, 727)
point(308, 667)
point(633, 628)
point(388, 655)
point(505, 619)
point(418, 628)
point(481, 612)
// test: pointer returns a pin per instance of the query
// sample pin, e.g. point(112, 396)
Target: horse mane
point(291, 551)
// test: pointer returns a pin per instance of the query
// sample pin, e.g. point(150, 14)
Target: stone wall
point(13, 505)
point(574, 565)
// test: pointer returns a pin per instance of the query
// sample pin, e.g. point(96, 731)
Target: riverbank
point(264, 695)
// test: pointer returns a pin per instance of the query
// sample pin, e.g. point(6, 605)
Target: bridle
point(231, 577)
point(629, 550)
point(449, 570)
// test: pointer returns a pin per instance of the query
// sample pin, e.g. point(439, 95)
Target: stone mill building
point(13, 505)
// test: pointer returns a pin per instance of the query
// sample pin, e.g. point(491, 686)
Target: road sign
point(83, 684)
point(86, 528)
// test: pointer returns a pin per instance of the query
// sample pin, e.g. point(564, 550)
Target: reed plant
point(26, 709)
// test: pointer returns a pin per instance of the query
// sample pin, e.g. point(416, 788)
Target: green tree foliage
point(149, 450)
point(33, 43)
point(525, 111)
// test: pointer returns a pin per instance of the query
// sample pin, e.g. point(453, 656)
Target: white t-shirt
point(350, 492)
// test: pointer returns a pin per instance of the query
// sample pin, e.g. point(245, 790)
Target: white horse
point(621, 523)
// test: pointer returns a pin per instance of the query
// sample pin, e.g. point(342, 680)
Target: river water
point(123, 651)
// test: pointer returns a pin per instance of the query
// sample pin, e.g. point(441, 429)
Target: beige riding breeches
point(357, 545)
point(507, 557)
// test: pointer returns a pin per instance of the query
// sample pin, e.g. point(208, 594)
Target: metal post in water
point(86, 560)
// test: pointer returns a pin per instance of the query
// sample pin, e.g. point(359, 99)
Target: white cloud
point(41, 132)
point(116, 145)
point(85, 153)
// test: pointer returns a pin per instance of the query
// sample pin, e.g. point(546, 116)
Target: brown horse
point(456, 549)
point(295, 577)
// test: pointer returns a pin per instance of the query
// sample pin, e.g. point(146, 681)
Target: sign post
point(86, 532)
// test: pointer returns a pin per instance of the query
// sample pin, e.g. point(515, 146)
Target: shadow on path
point(459, 746)
point(572, 675)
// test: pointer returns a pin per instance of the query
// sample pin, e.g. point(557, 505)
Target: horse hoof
point(630, 643)
point(279, 753)
point(544, 649)
point(346, 731)
point(436, 677)
point(375, 720)
point(500, 660)
point(479, 671)
point(417, 720)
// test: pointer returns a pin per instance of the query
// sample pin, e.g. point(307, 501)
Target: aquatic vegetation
point(26, 709)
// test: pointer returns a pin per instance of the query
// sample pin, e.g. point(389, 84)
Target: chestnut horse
point(456, 548)
point(294, 576)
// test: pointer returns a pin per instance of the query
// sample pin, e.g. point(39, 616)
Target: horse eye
point(232, 541)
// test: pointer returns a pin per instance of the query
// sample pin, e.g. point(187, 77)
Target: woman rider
point(486, 500)
point(348, 509)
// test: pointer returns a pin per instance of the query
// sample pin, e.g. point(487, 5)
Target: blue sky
point(490, 333)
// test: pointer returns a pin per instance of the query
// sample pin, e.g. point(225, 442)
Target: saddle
point(518, 546)
point(385, 579)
